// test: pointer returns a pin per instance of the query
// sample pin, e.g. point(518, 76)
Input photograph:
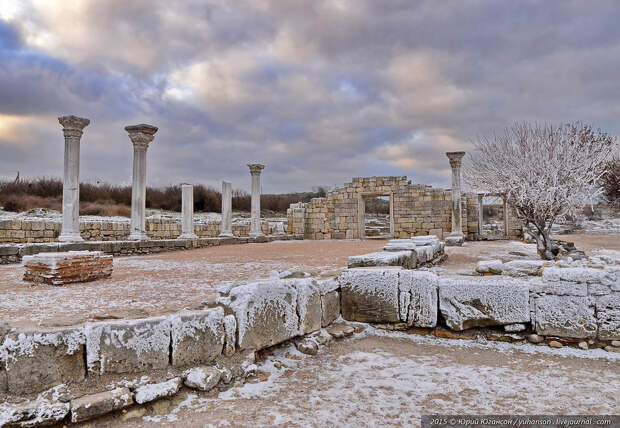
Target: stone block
point(59, 268)
point(608, 316)
point(370, 295)
point(519, 268)
point(565, 316)
point(478, 303)
point(91, 406)
point(400, 245)
point(155, 391)
point(308, 305)
point(579, 275)
point(384, 258)
point(202, 378)
point(266, 312)
point(418, 298)
point(38, 359)
point(330, 308)
point(33, 413)
point(197, 336)
point(127, 346)
point(493, 267)
point(560, 288)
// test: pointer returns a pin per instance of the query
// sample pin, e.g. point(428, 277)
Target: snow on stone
point(154, 391)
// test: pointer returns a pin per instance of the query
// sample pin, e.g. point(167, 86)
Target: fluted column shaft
point(255, 222)
point(226, 209)
point(187, 212)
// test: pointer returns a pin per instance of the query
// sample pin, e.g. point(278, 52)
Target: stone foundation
point(213, 346)
point(67, 267)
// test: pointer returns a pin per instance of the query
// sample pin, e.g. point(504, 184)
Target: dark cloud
point(319, 91)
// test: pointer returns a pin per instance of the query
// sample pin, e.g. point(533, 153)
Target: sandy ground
point(391, 379)
point(164, 283)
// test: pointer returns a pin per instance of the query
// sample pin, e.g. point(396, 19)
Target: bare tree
point(547, 172)
point(611, 181)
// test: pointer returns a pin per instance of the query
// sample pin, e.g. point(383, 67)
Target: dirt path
point(391, 379)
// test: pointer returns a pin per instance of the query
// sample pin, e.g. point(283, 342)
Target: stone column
point(456, 237)
point(480, 213)
point(255, 226)
point(187, 212)
point(226, 224)
point(140, 136)
point(72, 127)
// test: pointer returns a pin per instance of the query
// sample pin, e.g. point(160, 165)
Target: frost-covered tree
point(547, 172)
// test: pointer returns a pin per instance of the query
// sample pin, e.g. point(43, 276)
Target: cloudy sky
point(319, 91)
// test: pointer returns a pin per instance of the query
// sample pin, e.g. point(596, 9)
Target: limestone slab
point(155, 391)
point(565, 316)
point(608, 316)
point(370, 295)
point(37, 360)
point(384, 258)
point(197, 336)
point(91, 406)
point(330, 308)
point(308, 305)
point(127, 346)
point(478, 303)
point(418, 298)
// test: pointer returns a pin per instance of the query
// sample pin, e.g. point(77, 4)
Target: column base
point(256, 234)
point(188, 236)
point(139, 236)
point(454, 240)
point(226, 235)
point(70, 237)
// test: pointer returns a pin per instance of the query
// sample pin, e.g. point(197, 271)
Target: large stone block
point(308, 305)
point(370, 295)
point(91, 406)
point(406, 259)
point(127, 346)
point(32, 413)
point(418, 298)
point(579, 275)
point(37, 360)
point(266, 312)
point(565, 316)
point(197, 336)
point(478, 303)
point(330, 308)
point(608, 316)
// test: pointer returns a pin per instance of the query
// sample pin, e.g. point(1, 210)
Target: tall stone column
point(226, 209)
point(456, 237)
point(140, 136)
point(72, 127)
point(187, 212)
point(255, 226)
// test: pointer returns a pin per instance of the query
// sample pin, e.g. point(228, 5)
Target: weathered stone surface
point(471, 303)
point(400, 245)
point(523, 268)
point(560, 288)
point(370, 295)
point(513, 328)
point(330, 308)
point(33, 413)
point(66, 267)
point(489, 267)
point(37, 360)
point(565, 316)
point(202, 378)
point(418, 298)
point(197, 336)
point(384, 258)
point(230, 335)
point(266, 312)
point(155, 391)
point(127, 346)
point(580, 274)
point(454, 241)
point(307, 346)
point(94, 405)
point(425, 240)
point(608, 316)
point(308, 306)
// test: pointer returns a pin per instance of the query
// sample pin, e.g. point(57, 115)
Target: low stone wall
point(13, 253)
point(36, 230)
point(204, 348)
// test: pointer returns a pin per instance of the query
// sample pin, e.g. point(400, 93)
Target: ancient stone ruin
point(67, 267)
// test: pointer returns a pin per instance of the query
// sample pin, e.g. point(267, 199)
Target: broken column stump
point(67, 267)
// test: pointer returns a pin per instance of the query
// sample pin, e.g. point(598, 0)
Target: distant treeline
point(109, 199)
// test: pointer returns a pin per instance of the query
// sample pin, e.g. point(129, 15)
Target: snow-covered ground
point(390, 379)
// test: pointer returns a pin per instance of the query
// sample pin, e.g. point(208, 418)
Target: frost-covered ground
point(164, 283)
point(391, 379)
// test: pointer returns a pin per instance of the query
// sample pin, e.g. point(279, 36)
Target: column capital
point(141, 135)
point(72, 126)
point(256, 168)
point(455, 158)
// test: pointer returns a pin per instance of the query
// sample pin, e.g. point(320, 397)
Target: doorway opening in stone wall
point(377, 218)
point(492, 216)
